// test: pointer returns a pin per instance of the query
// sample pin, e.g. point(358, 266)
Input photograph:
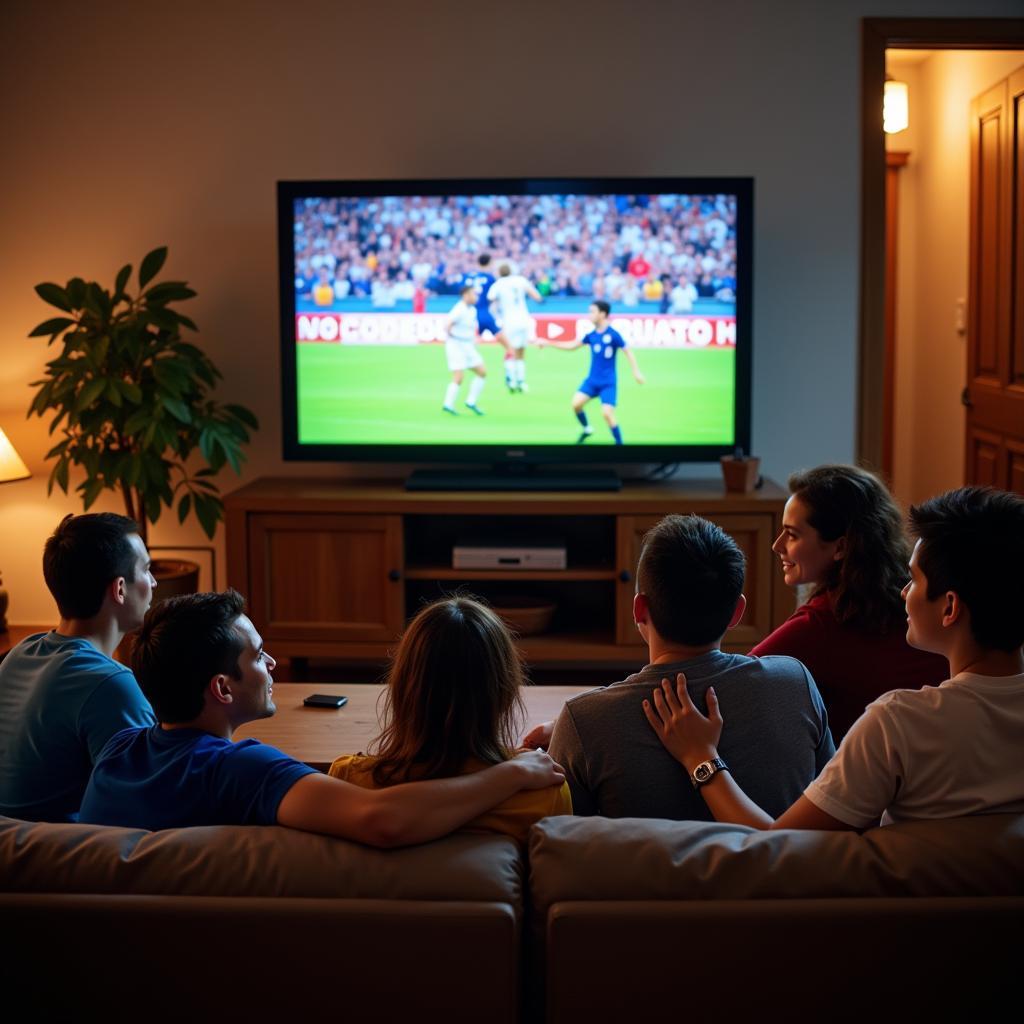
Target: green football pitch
point(363, 394)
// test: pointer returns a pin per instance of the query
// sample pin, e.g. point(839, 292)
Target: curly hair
point(452, 694)
point(850, 502)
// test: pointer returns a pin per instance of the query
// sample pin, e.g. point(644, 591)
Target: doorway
point(920, 446)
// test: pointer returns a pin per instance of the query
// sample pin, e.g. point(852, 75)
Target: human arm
point(567, 345)
point(412, 812)
point(637, 375)
point(539, 736)
point(691, 738)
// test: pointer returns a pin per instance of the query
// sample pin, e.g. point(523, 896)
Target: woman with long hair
point(452, 705)
point(842, 535)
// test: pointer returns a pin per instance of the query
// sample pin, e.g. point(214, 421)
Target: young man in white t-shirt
point(508, 294)
point(938, 752)
point(461, 352)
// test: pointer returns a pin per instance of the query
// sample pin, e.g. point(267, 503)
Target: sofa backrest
point(241, 861)
point(647, 859)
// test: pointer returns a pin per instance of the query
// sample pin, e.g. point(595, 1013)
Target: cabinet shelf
point(334, 569)
point(511, 575)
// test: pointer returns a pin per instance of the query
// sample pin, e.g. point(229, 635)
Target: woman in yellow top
point(453, 705)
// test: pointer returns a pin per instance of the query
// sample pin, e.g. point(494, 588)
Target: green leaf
point(99, 351)
point(76, 292)
point(151, 265)
point(177, 408)
point(90, 392)
point(241, 413)
point(151, 502)
point(91, 490)
point(137, 421)
point(186, 322)
point(130, 390)
point(183, 507)
point(58, 449)
point(168, 291)
point(122, 279)
point(113, 392)
point(54, 295)
point(54, 326)
point(208, 511)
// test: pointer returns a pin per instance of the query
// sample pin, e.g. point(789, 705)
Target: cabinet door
point(329, 578)
point(754, 535)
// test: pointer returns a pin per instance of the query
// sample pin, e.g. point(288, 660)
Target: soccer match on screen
point(516, 319)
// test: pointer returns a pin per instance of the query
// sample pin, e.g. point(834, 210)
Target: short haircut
point(972, 542)
point(85, 554)
point(468, 287)
point(691, 572)
point(504, 270)
point(484, 259)
point(603, 306)
point(184, 642)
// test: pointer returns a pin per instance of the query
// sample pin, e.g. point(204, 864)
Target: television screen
point(573, 320)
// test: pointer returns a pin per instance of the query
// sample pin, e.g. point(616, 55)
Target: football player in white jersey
point(460, 330)
point(508, 295)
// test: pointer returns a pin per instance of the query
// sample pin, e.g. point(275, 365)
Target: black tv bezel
point(512, 455)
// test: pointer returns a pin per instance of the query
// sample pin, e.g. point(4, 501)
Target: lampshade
point(895, 107)
point(11, 466)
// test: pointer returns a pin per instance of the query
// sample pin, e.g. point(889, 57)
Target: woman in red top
point(842, 534)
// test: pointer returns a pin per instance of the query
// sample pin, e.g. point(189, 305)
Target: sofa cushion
point(647, 859)
point(235, 860)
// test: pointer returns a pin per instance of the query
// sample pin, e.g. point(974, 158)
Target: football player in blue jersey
point(482, 280)
point(604, 343)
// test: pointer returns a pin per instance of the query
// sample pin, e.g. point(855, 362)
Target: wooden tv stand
point(333, 568)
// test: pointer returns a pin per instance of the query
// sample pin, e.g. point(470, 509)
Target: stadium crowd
point(625, 249)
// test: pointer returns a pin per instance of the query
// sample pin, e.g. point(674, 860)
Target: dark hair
point(453, 693)
point(83, 555)
point(972, 542)
point(484, 259)
point(603, 306)
point(864, 585)
point(691, 572)
point(184, 642)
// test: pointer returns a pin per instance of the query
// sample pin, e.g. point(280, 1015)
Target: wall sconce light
point(895, 107)
point(11, 468)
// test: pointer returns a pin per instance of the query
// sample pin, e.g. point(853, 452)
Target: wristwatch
point(706, 771)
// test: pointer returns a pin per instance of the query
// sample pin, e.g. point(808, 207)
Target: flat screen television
point(525, 330)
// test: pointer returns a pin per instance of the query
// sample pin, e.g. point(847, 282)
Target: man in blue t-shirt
point(201, 662)
point(604, 343)
point(62, 694)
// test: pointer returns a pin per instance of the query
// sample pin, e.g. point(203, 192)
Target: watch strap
point(706, 771)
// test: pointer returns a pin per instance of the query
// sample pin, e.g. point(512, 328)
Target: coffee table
point(317, 736)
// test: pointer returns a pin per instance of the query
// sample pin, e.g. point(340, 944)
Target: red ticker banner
point(642, 330)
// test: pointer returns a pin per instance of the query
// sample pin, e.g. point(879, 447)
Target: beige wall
point(931, 354)
point(126, 125)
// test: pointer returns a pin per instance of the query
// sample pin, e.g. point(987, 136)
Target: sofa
point(599, 920)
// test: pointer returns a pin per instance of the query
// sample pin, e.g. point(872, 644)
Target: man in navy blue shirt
point(604, 343)
point(201, 662)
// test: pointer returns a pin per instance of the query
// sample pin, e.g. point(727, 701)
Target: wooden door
point(328, 578)
point(994, 395)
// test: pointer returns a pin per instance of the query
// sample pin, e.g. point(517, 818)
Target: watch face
point(702, 772)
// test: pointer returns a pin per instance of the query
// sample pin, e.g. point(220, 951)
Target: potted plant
point(132, 399)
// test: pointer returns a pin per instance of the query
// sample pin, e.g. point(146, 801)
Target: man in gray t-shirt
point(776, 738)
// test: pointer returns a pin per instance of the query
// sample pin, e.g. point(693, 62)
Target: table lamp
point(11, 468)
